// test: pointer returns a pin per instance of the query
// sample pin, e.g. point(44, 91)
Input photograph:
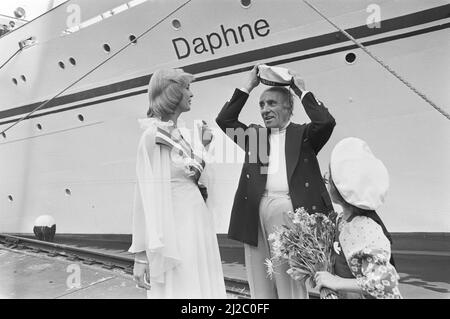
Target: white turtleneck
point(277, 175)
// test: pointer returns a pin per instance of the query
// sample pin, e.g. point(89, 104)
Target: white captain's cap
point(274, 76)
point(360, 177)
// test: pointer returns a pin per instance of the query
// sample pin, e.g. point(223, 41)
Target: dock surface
point(31, 275)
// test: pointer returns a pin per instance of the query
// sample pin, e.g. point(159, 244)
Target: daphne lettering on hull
point(214, 41)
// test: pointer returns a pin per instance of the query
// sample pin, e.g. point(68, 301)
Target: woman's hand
point(325, 279)
point(141, 272)
point(206, 134)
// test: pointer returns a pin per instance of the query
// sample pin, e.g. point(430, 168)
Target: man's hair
point(286, 93)
point(165, 91)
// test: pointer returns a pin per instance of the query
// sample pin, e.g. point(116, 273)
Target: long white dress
point(181, 242)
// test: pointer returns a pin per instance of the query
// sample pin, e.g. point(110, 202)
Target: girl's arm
point(374, 276)
point(367, 251)
point(325, 279)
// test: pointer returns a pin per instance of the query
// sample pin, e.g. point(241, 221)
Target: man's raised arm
point(322, 122)
point(228, 118)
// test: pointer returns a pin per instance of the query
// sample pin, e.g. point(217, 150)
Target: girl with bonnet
point(363, 263)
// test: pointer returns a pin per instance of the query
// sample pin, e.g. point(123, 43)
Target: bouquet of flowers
point(305, 244)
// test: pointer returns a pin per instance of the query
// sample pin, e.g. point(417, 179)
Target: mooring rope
point(387, 67)
point(11, 57)
point(95, 68)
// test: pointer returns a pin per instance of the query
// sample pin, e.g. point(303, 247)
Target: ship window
point(61, 65)
point(10, 198)
point(133, 39)
point(72, 61)
point(81, 117)
point(350, 57)
point(39, 126)
point(246, 3)
point(68, 192)
point(176, 24)
point(23, 78)
point(14, 81)
point(106, 47)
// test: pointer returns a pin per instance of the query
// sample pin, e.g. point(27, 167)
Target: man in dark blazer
point(280, 173)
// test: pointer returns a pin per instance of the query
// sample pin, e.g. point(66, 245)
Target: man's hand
point(141, 271)
point(297, 80)
point(253, 80)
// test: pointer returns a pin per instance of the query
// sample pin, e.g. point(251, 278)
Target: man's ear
point(289, 107)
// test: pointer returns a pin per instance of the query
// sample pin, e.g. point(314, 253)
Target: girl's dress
point(362, 251)
point(172, 222)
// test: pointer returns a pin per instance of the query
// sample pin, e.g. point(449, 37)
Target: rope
point(95, 68)
point(362, 47)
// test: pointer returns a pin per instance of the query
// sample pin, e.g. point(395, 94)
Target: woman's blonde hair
point(165, 91)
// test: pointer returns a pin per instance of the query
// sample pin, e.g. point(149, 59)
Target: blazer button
point(314, 207)
point(306, 184)
point(245, 197)
point(305, 160)
point(248, 176)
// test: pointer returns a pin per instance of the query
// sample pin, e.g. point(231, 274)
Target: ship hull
point(75, 158)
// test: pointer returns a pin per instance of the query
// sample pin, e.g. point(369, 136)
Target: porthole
point(72, 61)
point(19, 13)
point(81, 117)
point(61, 65)
point(23, 78)
point(14, 81)
point(106, 47)
point(68, 192)
point(133, 39)
point(176, 24)
point(39, 126)
point(246, 3)
point(350, 58)
point(10, 198)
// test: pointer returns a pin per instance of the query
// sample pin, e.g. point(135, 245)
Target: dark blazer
point(303, 142)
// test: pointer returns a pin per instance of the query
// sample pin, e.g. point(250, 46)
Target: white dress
point(199, 274)
point(185, 256)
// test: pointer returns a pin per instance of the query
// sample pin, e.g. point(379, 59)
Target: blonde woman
point(174, 241)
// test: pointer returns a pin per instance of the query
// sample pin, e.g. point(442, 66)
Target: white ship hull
point(80, 166)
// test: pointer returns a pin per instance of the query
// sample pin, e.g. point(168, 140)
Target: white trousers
point(272, 213)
